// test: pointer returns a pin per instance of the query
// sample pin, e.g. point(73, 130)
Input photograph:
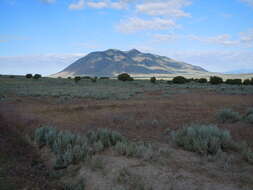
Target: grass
point(103, 89)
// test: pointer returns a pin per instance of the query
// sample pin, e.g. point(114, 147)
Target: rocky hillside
point(112, 62)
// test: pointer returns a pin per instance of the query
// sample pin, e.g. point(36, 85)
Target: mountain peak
point(111, 62)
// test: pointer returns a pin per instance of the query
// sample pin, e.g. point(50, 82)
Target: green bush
point(153, 80)
point(125, 77)
point(248, 155)
point(202, 80)
point(86, 77)
point(29, 76)
point(79, 185)
point(234, 81)
point(68, 148)
point(204, 139)
point(179, 80)
point(131, 149)
point(94, 79)
point(77, 79)
point(104, 78)
point(246, 82)
point(105, 136)
point(228, 116)
point(215, 80)
point(37, 76)
point(249, 116)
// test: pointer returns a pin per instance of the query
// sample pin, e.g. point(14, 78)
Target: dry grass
point(145, 119)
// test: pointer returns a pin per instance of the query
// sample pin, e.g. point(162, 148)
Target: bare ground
point(145, 120)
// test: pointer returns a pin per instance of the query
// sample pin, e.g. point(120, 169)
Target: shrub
point(125, 77)
point(138, 150)
point(179, 80)
point(104, 78)
point(204, 139)
point(77, 79)
point(202, 80)
point(68, 148)
point(153, 80)
point(228, 116)
point(216, 80)
point(169, 82)
point(79, 185)
point(29, 76)
point(105, 136)
point(69, 78)
point(37, 76)
point(249, 116)
point(94, 79)
point(234, 81)
point(248, 155)
point(86, 77)
point(246, 82)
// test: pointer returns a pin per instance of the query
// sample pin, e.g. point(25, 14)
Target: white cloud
point(77, 5)
point(171, 8)
point(249, 2)
point(48, 1)
point(165, 37)
point(107, 4)
point(247, 37)
point(135, 24)
point(159, 15)
point(223, 39)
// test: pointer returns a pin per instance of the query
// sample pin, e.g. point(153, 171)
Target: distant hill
point(112, 62)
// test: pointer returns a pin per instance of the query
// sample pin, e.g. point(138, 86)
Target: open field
point(145, 114)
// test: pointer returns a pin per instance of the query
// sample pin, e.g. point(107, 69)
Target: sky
point(45, 36)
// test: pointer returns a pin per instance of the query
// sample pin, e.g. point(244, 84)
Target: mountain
point(112, 62)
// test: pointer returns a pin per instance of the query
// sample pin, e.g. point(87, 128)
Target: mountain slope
point(112, 62)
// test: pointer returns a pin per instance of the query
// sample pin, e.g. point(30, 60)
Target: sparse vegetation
point(228, 116)
point(204, 139)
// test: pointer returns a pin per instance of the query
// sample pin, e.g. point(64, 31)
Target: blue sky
point(44, 36)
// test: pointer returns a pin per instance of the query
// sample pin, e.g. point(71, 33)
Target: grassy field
point(113, 135)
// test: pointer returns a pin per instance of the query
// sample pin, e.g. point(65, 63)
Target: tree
point(37, 76)
point(234, 81)
point(179, 80)
point(77, 79)
point(153, 80)
point(216, 80)
point(202, 80)
point(29, 76)
point(125, 77)
point(246, 82)
point(94, 79)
